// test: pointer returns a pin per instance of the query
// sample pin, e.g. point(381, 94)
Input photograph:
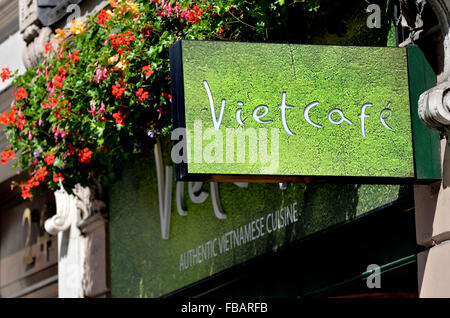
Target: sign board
point(283, 112)
point(212, 227)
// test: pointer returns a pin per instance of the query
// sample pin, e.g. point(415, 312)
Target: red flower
point(85, 155)
point(117, 91)
point(126, 40)
point(52, 102)
point(113, 40)
point(102, 17)
point(26, 194)
point(148, 71)
point(119, 118)
point(4, 118)
point(121, 39)
point(59, 79)
point(141, 94)
point(9, 118)
point(5, 74)
point(58, 177)
point(34, 182)
point(167, 95)
point(6, 155)
point(48, 47)
point(20, 123)
point(50, 159)
point(194, 16)
point(21, 93)
point(40, 174)
point(74, 56)
point(71, 150)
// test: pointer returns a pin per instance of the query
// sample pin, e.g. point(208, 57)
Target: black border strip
point(178, 105)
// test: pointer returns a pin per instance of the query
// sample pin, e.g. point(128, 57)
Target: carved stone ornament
point(34, 52)
point(88, 206)
point(28, 14)
point(412, 16)
point(434, 104)
point(434, 107)
point(62, 220)
point(31, 33)
point(33, 14)
point(82, 204)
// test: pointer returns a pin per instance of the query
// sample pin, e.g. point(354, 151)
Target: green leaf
point(58, 162)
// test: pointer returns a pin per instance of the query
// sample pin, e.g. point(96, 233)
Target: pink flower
point(56, 132)
point(102, 108)
point(60, 54)
point(101, 74)
point(92, 111)
point(105, 73)
point(50, 88)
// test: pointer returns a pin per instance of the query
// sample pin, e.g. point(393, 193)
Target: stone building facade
point(57, 246)
point(66, 242)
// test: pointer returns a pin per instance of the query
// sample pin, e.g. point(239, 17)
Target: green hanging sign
point(165, 236)
point(283, 112)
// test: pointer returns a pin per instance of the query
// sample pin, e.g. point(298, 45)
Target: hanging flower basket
point(102, 92)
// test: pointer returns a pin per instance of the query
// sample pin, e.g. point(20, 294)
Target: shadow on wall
point(328, 204)
point(345, 23)
point(446, 166)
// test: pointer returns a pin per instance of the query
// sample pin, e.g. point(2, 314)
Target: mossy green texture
point(145, 265)
point(337, 77)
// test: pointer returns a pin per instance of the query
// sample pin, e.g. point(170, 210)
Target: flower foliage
point(103, 90)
